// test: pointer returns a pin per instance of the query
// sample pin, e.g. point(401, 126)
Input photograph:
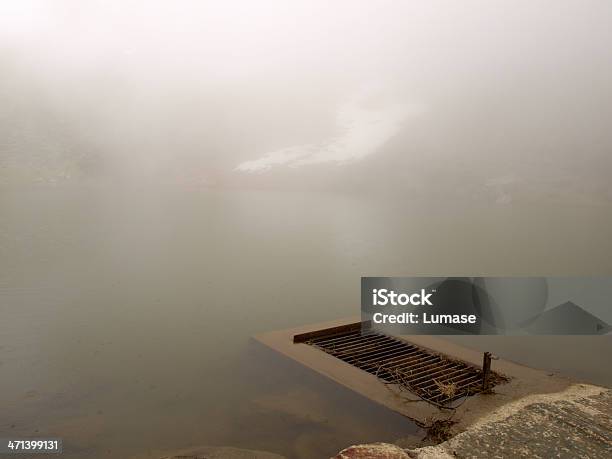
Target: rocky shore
point(576, 422)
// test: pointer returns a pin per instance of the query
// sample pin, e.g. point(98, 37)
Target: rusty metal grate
point(433, 377)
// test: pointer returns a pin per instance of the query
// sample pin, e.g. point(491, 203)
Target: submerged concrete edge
point(523, 381)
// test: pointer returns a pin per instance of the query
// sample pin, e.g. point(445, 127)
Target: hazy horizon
point(504, 99)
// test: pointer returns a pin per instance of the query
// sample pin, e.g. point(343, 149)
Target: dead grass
point(439, 430)
point(448, 390)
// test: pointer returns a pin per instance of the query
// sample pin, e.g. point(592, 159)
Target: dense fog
point(177, 177)
point(498, 99)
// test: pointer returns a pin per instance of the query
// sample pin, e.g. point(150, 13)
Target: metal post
point(486, 370)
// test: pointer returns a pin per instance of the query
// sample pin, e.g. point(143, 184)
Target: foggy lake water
point(151, 223)
point(127, 313)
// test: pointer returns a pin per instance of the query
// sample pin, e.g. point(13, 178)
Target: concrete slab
point(522, 381)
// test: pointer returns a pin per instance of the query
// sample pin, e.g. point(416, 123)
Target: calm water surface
point(126, 314)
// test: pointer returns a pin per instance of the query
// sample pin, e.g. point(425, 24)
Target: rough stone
point(574, 423)
point(373, 451)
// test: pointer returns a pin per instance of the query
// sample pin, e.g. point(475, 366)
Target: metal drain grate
point(435, 378)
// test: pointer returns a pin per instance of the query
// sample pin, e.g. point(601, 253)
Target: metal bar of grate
point(433, 377)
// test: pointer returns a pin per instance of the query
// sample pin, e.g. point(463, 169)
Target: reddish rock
point(373, 451)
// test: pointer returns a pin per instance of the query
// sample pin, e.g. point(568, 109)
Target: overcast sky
point(238, 89)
